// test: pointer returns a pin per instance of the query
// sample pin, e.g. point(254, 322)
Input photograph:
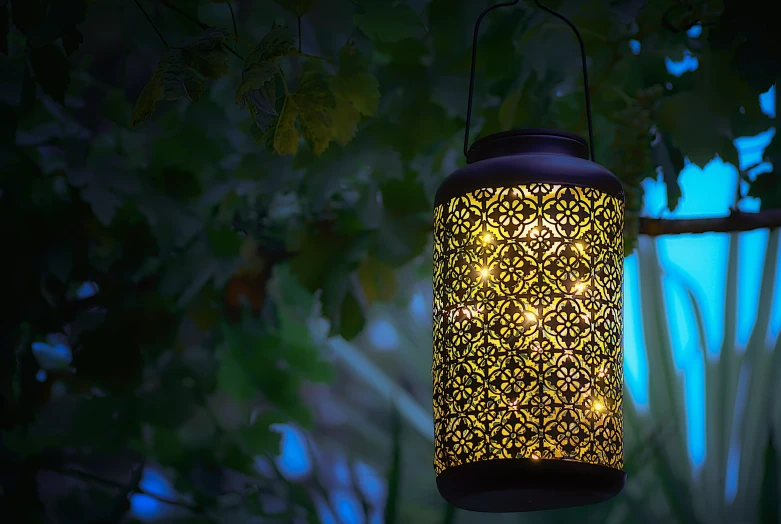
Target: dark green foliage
point(225, 249)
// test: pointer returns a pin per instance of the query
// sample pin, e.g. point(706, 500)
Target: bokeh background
point(205, 325)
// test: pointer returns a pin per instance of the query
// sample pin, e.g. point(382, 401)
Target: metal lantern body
point(528, 326)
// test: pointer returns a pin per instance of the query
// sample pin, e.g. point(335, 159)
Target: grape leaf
point(175, 78)
point(378, 280)
point(767, 186)
point(254, 77)
point(344, 121)
point(278, 42)
point(43, 21)
point(205, 53)
point(351, 317)
point(259, 438)
point(388, 23)
point(627, 11)
point(172, 80)
point(311, 106)
point(52, 70)
point(356, 93)
point(669, 159)
point(298, 7)
point(285, 134)
point(232, 378)
point(361, 90)
point(756, 52)
point(71, 40)
point(257, 91)
point(700, 120)
point(314, 99)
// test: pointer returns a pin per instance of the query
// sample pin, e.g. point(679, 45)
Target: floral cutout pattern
point(528, 326)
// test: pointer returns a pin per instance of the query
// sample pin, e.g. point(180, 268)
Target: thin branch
point(299, 34)
point(736, 222)
point(316, 57)
point(185, 14)
point(234, 52)
point(86, 476)
point(148, 19)
point(233, 18)
point(239, 40)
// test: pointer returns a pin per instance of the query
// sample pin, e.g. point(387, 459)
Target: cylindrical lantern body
point(528, 326)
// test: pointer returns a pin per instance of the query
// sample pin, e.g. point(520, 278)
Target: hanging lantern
point(528, 322)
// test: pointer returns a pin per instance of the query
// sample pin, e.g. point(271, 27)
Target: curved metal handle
point(583, 60)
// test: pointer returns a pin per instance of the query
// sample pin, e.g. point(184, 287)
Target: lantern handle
point(582, 56)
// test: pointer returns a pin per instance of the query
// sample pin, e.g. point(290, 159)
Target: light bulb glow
point(537, 291)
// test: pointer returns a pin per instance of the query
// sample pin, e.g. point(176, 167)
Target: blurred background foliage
point(216, 218)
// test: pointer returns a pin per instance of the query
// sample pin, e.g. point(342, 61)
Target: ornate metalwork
point(528, 309)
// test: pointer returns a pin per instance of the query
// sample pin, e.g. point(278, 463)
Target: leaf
point(205, 53)
point(767, 188)
point(257, 89)
point(388, 23)
point(377, 279)
point(285, 134)
point(255, 77)
point(313, 99)
point(344, 121)
point(172, 80)
point(259, 438)
point(232, 378)
point(357, 87)
point(356, 93)
point(117, 108)
point(669, 159)
point(351, 317)
point(52, 70)
point(298, 7)
point(44, 21)
point(627, 11)
point(311, 106)
point(700, 121)
point(756, 52)
point(71, 40)
point(278, 42)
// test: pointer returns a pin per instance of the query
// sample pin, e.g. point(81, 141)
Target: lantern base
point(514, 485)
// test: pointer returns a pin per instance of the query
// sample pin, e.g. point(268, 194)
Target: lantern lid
point(526, 156)
point(520, 141)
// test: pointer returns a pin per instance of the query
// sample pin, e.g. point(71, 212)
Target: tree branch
point(148, 19)
point(185, 14)
point(736, 222)
point(233, 19)
point(89, 477)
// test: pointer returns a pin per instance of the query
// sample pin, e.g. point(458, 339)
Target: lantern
point(528, 323)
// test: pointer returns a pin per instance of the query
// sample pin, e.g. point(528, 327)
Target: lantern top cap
point(521, 141)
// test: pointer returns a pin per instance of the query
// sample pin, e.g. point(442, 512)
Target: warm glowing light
point(495, 346)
